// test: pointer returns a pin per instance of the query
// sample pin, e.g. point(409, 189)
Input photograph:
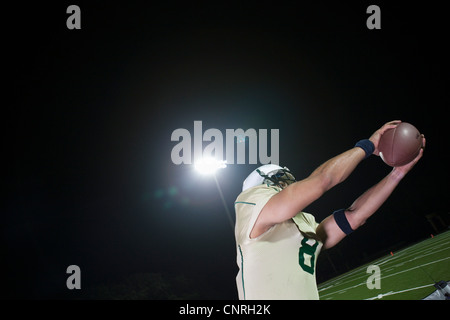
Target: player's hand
point(403, 170)
point(375, 138)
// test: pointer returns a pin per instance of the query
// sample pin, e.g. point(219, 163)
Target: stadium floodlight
point(209, 166)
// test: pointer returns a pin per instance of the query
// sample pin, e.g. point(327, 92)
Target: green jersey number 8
point(305, 251)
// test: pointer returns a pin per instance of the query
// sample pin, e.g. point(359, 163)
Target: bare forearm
point(337, 169)
point(371, 200)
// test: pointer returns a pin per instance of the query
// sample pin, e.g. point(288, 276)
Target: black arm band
point(342, 222)
point(367, 146)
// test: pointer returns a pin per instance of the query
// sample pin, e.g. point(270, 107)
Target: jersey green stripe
point(242, 270)
point(254, 204)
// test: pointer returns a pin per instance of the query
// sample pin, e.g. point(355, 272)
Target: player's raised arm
point(335, 227)
point(295, 197)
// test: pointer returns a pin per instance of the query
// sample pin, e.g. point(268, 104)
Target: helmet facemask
point(277, 176)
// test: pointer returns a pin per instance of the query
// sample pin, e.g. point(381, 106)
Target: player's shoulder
point(305, 219)
point(252, 195)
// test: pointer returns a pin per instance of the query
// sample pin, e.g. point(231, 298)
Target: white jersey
point(280, 263)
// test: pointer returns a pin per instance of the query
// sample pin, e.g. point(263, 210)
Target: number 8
point(309, 250)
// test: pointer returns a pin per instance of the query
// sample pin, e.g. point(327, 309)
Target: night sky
point(87, 120)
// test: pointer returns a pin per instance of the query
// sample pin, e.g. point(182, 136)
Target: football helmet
point(271, 174)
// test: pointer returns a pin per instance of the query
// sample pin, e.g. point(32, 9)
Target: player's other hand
point(375, 138)
point(403, 170)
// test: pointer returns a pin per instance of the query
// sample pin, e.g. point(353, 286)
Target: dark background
point(88, 115)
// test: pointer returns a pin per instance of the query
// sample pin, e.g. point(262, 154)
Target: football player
point(277, 244)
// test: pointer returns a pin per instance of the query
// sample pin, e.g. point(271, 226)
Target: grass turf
point(408, 274)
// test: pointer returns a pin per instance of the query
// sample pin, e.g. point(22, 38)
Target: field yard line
point(351, 276)
point(415, 258)
point(426, 264)
point(342, 278)
point(401, 255)
point(383, 261)
point(431, 252)
point(425, 247)
point(348, 277)
point(420, 249)
point(421, 246)
point(342, 290)
point(398, 258)
point(326, 288)
point(363, 283)
point(343, 281)
point(396, 292)
point(438, 240)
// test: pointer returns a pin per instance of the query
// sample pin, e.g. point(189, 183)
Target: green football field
point(408, 274)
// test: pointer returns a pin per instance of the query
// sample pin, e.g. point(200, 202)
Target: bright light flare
point(209, 166)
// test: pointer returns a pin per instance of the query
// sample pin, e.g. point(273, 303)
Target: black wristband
point(367, 146)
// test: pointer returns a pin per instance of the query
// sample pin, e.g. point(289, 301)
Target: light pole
point(209, 166)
